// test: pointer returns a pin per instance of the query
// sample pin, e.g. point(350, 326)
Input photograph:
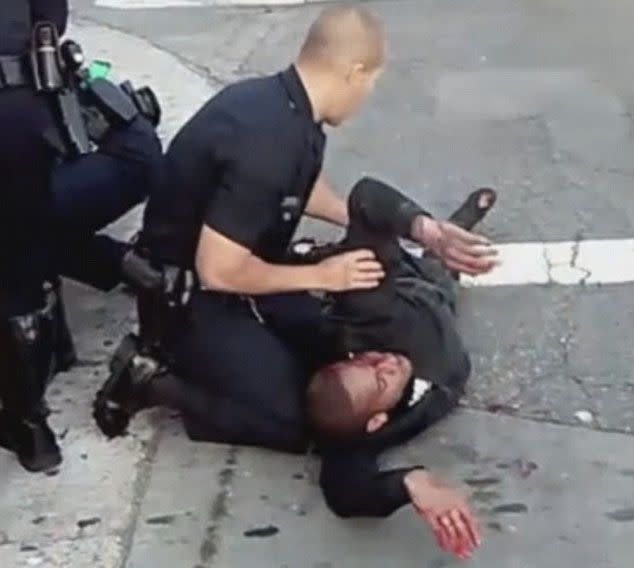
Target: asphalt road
point(534, 98)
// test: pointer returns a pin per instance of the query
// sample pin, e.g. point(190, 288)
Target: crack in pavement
point(550, 265)
point(510, 412)
point(215, 81)
point(576, 247)
point(209, 547)
point(141, 483)
point(241, 68)
point(565, 344)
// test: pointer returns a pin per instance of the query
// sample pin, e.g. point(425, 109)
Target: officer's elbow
point(341, 512)
point(346, 508)
point(348, 498)
point(338, 504)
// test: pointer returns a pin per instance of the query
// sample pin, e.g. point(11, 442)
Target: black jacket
point(412, 312)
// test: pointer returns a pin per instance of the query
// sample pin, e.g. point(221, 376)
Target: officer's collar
point(297, 95)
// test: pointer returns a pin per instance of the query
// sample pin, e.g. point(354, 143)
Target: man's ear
point(376, 422)
point(354, 71)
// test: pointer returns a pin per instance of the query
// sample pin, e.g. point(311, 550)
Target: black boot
point(32, 441)
point(140, 359)
point(65, 354)
point(26, 365)
point(6, 434)
point(35, 445)
point(122, 395)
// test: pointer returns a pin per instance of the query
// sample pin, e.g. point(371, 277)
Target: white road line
point(566, 263)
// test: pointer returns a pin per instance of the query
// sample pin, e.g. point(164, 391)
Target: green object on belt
point(99, 69)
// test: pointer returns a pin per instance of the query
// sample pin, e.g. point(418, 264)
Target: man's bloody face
point(374, 381)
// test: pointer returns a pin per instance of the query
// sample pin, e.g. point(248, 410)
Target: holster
point(162, 302)
point(52, 77)
point(105, 106)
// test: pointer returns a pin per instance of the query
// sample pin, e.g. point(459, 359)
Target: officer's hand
point(355, 270)
point(447, 512)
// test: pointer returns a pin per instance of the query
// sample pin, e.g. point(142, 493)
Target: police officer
point(26, 161)
point(240, 174)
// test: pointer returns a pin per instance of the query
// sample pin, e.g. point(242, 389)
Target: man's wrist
point(413, 480)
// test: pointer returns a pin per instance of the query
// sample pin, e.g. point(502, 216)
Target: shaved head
point(349, 35)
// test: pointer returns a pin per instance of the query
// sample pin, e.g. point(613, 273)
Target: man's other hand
point(459, 249)
point(355, 270)
point(447, 511)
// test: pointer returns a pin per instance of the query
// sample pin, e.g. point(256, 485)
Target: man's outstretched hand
point(447, 512)
point(459, 249)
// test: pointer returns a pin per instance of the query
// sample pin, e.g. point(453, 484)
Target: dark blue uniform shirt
point(244, 165)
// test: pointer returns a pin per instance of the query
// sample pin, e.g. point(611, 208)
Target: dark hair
point(330, 409)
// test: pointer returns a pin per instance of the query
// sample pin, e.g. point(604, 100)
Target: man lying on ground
point(386, 364)
point(401, 366)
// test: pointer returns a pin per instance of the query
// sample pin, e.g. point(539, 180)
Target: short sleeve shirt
point(244, 165)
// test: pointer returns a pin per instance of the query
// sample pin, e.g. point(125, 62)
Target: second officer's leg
point(96, 190)
point(26, 331)
point(89, 194)
point(238, 382)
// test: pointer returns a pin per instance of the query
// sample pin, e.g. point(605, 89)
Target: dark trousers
point(50, 215)
point(26, 162)
point(247, 379)
point(94, 191)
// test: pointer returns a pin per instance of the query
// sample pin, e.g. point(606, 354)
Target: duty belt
point(15, 71)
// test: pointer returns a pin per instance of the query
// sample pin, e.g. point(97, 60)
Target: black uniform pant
point(247, 364)
point(50, 214)
point(26, 162)
point(95, 190)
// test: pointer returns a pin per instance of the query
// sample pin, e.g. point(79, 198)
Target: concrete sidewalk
point(551, 491)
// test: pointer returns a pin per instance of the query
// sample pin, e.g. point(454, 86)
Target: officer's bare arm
point(326, 205)
point(227, 266)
